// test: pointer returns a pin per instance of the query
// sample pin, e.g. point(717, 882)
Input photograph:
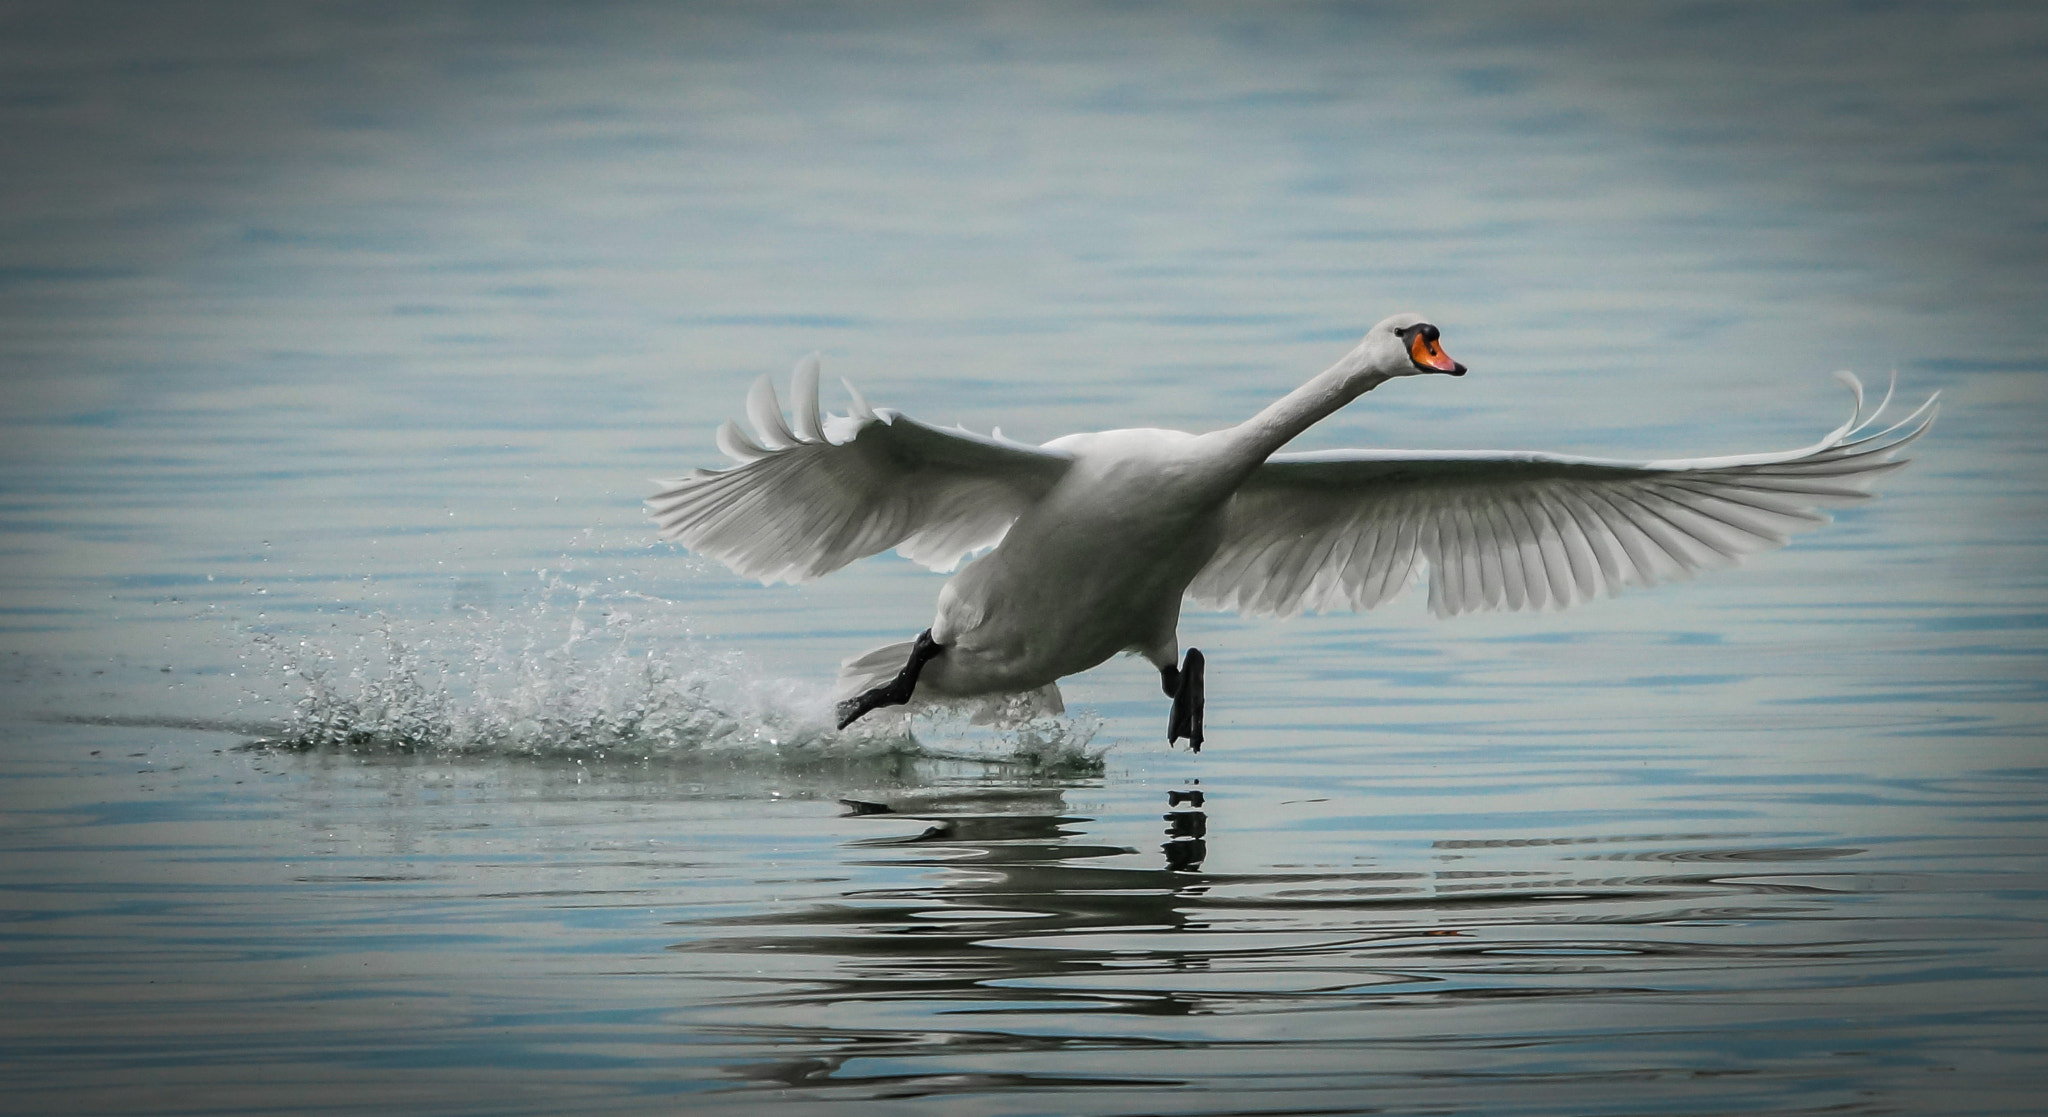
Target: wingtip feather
point(803, 400)
point(734, 443)
point(764, 411)
point(861, 410)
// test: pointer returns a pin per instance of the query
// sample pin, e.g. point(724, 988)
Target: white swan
point(1098, 537)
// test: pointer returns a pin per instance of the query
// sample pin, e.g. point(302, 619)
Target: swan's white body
point(1097, 567)
point(1099, 537)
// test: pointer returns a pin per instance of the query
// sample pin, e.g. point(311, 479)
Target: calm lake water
point(361, 751)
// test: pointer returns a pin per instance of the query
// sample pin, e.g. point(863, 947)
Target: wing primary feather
point(1705, 525)
point(1492, 555)
point(1863, 445)
point(1582, 561)
point(1856, 419)
point(1688, 547)
point(1432, 543)
point(803, 400)
point(1402, 570)
point(1463, 583)
point(1401, 550)
point(734, 443)
point(1472, 565)
point(1279, 571)
point(1507, 548)
point(1282, 576)
point(1385, 550)
point(1526, 526)
point(1677, 551)
point(861, 410)
point(1362, 568)
point(1818, 488)
point(1731, 527)
point(1762, 501)
point(1626, 534)
point(1891, 387)
point(1594, 570)
point(1444, 574)
point(1337, 589)
point(765, 412)
point(1919, 418)
point(1555, 556)
point(1656, 549)
point(1724, 507)
point(1324, 568)
point(1281, 595)
point(1262, 563)
point(1379, 552)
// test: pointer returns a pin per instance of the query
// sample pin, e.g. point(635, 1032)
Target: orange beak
point(1426, 353)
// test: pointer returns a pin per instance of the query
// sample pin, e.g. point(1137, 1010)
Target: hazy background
point(338, 343)
point(573, 235)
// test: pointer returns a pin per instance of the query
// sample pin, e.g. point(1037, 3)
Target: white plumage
point(1099, 536)
point(1348, 529)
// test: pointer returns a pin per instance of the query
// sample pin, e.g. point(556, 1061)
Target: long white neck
point(1262, 435)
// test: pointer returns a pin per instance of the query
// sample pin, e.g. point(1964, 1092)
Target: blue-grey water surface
point(360, 750)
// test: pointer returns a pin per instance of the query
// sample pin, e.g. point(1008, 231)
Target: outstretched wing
point(804, 502)
point(1512, 530)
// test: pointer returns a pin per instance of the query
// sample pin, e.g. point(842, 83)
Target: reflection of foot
point(1186, 718)
point(1185, 830)
point(862, 806)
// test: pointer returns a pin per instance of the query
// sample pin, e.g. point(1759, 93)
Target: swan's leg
point(1186, 687)
point(896, 691)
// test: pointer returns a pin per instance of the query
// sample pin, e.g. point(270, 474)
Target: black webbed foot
point(1186, 687)
point(896, 691)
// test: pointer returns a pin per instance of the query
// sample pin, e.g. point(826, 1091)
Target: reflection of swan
point(1098, 536)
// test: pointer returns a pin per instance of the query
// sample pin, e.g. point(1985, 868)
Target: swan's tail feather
point(871, 669)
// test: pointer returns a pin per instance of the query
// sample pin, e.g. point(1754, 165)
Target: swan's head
point(1404, 345)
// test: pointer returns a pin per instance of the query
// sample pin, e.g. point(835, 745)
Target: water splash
point(597, 673)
